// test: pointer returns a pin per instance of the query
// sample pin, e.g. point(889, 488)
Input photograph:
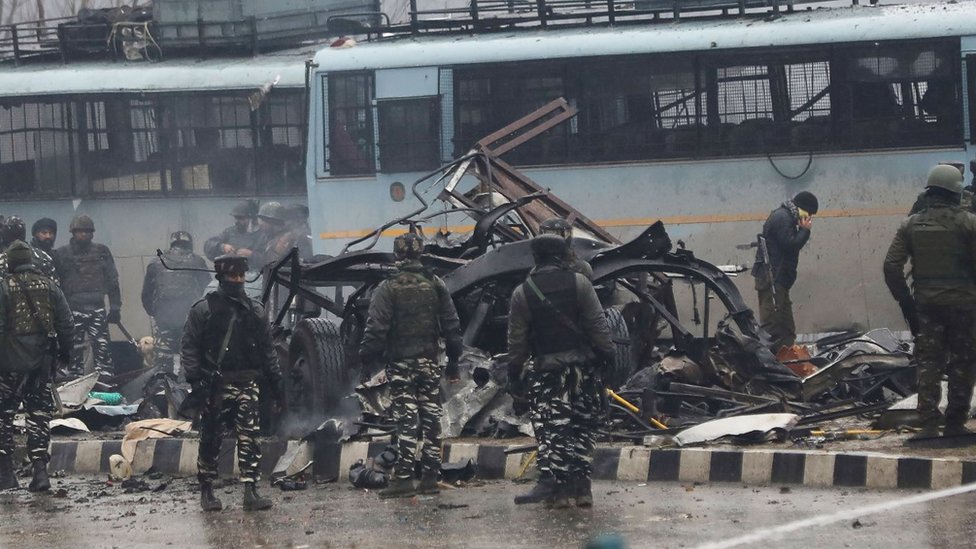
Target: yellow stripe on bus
point(645, 221)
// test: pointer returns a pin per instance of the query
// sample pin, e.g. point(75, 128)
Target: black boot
point(560, 496)
point(398, 488)
point(252, 500)
point(208, 501)
point(7, 477)
point(584, 492)
point(539, 493)
point(39, 482)
point(428, 483)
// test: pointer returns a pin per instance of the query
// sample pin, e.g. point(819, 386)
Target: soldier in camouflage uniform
point(966, 201)
point(227, 348)
point(546, 482)
point(238, 239)
point(88, 274)
point(408, 314)
point(35, 324)
point(274, 240)
point(167, 295)
point(940, 242)
point(14, 229)
point(556, 319)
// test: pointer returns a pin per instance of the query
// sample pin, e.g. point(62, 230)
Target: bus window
point(350, 147)
point(35, 149)
point(971, 89)
point(409, 134)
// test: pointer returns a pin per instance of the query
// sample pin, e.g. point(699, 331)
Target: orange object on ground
point(794, 358)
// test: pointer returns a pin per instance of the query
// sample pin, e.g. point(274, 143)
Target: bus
point(706, 123)
point(147, 149)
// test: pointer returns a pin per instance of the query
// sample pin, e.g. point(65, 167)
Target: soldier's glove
point(452, 372)
point(114, 316)
point(910, 313)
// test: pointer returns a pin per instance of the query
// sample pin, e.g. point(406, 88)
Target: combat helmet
point(408, 246)
point(245, 208)
point(230, 264)
point(13, 228)
point(557, 226)
point(181, 238)
point(272, 211)
point(81, 223)
point(549, 248)
point(945, 177)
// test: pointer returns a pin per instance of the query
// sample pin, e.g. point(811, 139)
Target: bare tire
point(621, 368)
point(316, 379)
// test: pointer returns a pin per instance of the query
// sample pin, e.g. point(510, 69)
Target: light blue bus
point(705, 123)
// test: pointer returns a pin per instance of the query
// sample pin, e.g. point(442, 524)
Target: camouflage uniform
point(407, 316)
point(236, 236)
point(167, 297)
point(940, 241)
point(26, 368)
point(565, 333)
point(88, 274)
point(248, 356)
point(41, 260)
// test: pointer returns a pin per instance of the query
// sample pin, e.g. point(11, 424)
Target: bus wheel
point(316, 378)
point(621, 368)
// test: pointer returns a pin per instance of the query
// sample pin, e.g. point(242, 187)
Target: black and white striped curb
point(631, 463)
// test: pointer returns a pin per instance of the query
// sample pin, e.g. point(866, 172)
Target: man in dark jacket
point(167, 295)
point(88, 275)
point(940, 242)
point(13, 229)
point(408, 315)
point(227, 348)
point(786, 231)
point(35, 327)
point(238, 239)
point(43, 234)
point(556, 319)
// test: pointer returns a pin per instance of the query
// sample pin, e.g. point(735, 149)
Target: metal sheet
point(731, 426)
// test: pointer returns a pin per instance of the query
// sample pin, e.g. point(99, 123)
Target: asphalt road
point(88, 512)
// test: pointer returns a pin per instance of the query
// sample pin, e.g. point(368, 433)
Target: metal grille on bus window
point(904, 95)
point(350, 148)
point(808, 89)
point(131, 161)
point(409, 136)
point(34, 149)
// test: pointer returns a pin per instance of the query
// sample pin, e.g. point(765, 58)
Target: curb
point(629, 463)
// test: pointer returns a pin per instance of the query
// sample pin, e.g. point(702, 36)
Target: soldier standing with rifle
point(35, 327)
point(227, 348)
point(556, 318)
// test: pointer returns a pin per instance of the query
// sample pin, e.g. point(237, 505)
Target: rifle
point(207, 394)
point(767, 265)
point(52, 347)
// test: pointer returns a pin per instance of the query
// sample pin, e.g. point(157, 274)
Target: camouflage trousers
point(94, 326)
point(239, 411)
point(776, 319)
point(166, 341)
point(944, 345)
point(34, 390)
point(565, 404)
point(415, 389)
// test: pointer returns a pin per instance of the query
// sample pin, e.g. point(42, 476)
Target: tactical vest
point(549, 329)
point(20, 316)
point(243, 353)
point(86, 271)
point(177, 286)
point(939, 253)
point(415, 327)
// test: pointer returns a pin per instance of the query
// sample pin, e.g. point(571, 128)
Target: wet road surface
point(88, 512)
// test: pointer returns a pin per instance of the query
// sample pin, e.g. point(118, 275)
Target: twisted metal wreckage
point(663, 368)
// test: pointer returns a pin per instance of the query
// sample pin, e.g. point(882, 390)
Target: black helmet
point(44, 224)
point(408, 246)
point(82, 223)
point(19, 253)
point(13, 228)
point(230, 264)
point(557, 226)
point(181, 238)
point(549, 248)
point(805, 200)
point(245, 208)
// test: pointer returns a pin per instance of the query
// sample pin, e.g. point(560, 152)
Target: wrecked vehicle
point(319, 309)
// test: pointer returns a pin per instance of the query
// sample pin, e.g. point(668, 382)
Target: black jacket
point(784, 240)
